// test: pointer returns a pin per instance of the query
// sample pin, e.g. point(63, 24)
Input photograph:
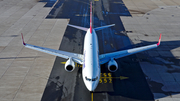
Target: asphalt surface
point(63, 86)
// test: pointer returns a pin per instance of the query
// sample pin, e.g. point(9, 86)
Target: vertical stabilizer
point(91, 17)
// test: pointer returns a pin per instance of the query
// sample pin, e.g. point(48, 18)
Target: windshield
point(93, 79)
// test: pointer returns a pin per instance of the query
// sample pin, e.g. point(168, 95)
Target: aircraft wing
point(76, 57)
point(106, 57)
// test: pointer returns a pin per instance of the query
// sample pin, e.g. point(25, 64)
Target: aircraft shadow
point(136, 87)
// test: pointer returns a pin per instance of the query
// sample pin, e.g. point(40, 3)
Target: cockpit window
point(88, 79)
point(93, 79)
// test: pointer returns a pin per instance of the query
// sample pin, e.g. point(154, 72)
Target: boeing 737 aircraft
point(91, 59)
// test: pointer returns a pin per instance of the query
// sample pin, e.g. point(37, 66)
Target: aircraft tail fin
point(83, 28)
point(91, 25)
point(103, 27)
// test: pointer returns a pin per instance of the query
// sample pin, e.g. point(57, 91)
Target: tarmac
point(23, 72)
point(161, 65)
point(28, 75)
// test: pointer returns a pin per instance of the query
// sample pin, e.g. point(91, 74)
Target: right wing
point(76, 57)
point(102, 27)
point(106, 57)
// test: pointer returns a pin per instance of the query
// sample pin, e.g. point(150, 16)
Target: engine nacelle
point(70, 65)
point(112, 65)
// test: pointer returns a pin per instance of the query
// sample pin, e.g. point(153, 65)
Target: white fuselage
point(91, 68)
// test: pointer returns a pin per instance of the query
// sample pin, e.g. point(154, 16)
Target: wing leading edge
point(76, 57)
point(106, 57)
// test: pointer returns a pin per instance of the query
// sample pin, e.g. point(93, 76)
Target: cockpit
point(93, 79)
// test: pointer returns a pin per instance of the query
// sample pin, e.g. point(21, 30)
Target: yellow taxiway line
point(91, 96)
point(121, 77)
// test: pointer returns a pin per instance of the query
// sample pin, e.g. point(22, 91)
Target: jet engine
point(112, 65)
point(70, 65)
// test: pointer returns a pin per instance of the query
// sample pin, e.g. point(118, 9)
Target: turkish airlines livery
point(90, 59)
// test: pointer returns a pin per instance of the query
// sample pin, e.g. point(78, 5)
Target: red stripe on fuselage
point(91, 18)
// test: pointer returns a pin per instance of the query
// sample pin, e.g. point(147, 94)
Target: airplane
point(91, 59)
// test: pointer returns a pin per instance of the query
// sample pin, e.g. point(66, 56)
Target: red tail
point(23, 39)
point(91, 18)
point(159, 40)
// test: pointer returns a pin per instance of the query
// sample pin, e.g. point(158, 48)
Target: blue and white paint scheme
point(90, 59)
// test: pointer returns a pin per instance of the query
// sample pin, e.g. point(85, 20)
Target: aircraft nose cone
point(91, 88)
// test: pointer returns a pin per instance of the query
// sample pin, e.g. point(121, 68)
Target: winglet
point(23, 39)
point(159, 40)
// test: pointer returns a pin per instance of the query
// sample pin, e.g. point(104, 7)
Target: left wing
point(76, 57)
point(106, 57)
point(78, 27)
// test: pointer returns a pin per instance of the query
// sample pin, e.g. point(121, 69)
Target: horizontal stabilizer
point(100, 28)
point(78, 27)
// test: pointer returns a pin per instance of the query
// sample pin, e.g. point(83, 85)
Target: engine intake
point(112, 65)
point(70, 65)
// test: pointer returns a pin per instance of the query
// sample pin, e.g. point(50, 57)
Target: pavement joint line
point(15, 58)
point(28, 69)
point(37, 28)
point(1, 51)
point(11, 63)
point(24, 79)
point(20, 17)
point(49, 32)
point(9, 8)
point(7, 69)
point(32, 63)
point(9, 27)
point(20, 28)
